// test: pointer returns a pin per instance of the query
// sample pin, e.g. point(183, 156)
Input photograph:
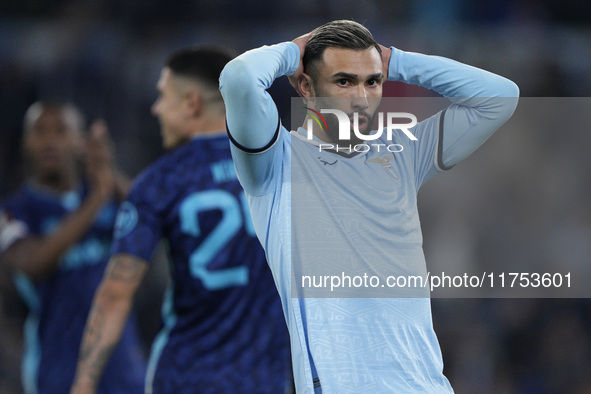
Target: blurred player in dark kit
point(55, 233)
point(224, 330)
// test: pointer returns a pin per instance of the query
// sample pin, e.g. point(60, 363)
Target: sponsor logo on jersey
point(327, 163)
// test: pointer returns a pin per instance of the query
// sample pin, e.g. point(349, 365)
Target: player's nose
point(154, 108)
point(360, 102)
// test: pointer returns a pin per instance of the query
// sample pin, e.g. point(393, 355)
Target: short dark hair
point(203, 63)
point(337, 34)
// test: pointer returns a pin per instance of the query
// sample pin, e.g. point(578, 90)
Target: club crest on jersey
point(127, 219)
point(385, 162)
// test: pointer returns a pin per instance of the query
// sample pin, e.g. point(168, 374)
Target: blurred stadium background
point(523, 201)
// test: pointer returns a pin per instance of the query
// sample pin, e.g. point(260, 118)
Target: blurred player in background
point(224, 330)
point(353, 344)
point(55, 233)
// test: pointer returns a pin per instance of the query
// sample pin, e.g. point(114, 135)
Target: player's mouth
point(362, 122)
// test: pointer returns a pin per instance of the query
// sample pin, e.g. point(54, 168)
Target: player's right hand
point(301, 42)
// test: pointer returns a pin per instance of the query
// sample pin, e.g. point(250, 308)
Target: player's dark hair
point(344, 34)
point(203, 63)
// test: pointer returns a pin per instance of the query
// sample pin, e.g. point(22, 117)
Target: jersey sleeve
point(11, 230)
point(138, 227)
point(481, 103)
point(252, 119)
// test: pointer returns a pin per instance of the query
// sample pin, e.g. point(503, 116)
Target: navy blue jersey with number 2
point(223, 326)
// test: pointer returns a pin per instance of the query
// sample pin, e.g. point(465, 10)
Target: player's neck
point(311, 125)
point(322, 135)
point(58, 182)
point(209, 126)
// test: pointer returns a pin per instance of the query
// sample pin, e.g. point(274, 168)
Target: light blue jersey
point(319, 213)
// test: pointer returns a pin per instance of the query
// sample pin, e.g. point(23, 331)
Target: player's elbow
point(112, 295)
point(509, 91)
point(233, 73)
point(504, 103)
point(122, 277)
point(27, 257)
point(236, 80)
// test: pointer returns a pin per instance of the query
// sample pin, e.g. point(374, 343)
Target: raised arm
point(106, 320)
point(482, 101)
point(252, 116)
point(100, 151)
point(38, 256)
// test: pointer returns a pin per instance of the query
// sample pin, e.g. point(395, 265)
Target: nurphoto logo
point(345, 125)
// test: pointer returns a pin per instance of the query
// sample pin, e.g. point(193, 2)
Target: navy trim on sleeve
point(440, 164)
point(259, 150)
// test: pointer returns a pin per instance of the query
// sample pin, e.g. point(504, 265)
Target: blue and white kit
point(352, 345)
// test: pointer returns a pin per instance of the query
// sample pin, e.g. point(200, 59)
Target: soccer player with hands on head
point(361, 210)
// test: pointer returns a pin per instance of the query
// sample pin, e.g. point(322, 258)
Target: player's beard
point(365, 118)
point(365, 123)
point(172, 137)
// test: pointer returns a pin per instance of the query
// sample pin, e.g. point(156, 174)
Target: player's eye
point(372, 82)
point(342, 82)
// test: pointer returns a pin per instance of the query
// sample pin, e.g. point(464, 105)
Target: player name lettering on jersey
point(223, 171)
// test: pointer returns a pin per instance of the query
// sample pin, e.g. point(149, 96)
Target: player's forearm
point(450, 78)
point(252, 116)
point(483, 101)
point(122, 185)
point(39, 256)
point(107, 318)
point(102, 334)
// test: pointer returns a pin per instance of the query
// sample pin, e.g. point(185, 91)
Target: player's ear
point(193, 102)
point(306, 87)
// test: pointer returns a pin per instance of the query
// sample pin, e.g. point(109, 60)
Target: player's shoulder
point(21, 197)
point(163, 167)
point(283, 139)
point(200, 149)
point(24, 205)
point(181, 165)
point(152, 177)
